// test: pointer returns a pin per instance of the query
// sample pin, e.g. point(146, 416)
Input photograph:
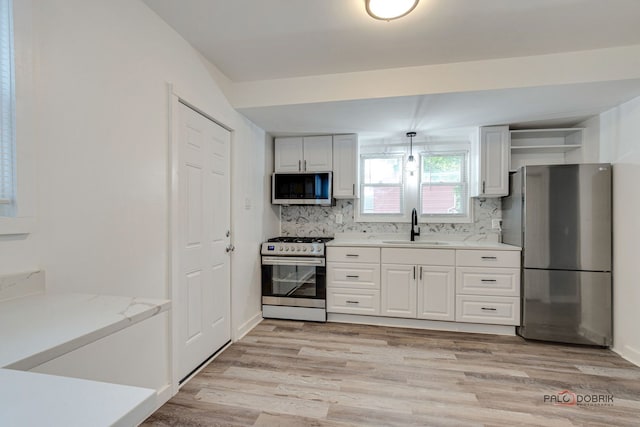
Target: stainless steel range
point(294, 284)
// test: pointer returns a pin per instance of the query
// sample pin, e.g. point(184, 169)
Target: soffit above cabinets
point(551, 106)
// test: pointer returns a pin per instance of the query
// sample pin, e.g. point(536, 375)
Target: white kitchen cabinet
point(345, 166)
point(418, 283)
point(543, 146)
point(304, 154)
point(353, 280)
point(488, 287)
point(398, 290)
point(488, 310)
point(353, 301)
point(490, 162)
point(436, 293)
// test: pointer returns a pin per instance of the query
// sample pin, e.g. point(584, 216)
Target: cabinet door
point(318, 154)
point(494, 161)
point(288, 155)
point(345, 166)
point(436, 293)
point(398, 287)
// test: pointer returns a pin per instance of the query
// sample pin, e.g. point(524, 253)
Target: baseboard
point(163, 395)
point(630, 354)
point(247, 326)
point(422, 324)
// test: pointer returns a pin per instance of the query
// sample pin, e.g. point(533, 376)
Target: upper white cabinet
point(345, 161)
point(304, 154)
point(543, 146)
point(490, 162)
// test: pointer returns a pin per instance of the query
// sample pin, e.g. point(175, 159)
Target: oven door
point(294, 281)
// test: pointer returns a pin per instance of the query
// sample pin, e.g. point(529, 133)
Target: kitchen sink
point(418, 242)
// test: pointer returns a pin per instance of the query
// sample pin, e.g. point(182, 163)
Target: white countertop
point(30, 399)
point(427, 242)
point(37, 328)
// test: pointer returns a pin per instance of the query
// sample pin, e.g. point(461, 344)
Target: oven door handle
point(292, 261)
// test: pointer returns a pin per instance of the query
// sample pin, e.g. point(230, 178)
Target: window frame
point(412, 184)
point(467, 216)
point(372, 217)
point(8, 101)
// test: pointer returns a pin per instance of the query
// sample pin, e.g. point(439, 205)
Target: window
point(443, 185)
point(382, 181)
point(439, 189)
point(7, 112)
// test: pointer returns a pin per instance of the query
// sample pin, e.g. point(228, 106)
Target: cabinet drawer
point(353, 275)
point(493, 310)
point(483, 258)
point(353, 301)
point(353, 254)
point(488, 281)
point(418, 256)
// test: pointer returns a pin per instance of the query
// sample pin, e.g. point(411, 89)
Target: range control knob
point(286, 248)
point(304, 249)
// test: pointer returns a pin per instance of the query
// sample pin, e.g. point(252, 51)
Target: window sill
point(16, 226)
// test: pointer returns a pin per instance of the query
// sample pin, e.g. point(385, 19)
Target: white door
point(436, 293)
point(398, 286)
point(203, 221)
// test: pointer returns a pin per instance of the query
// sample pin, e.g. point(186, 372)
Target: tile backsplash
point(321, 221)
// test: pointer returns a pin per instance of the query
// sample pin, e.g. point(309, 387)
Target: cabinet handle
point(352, 302)
point(420, 273)
point(489, 257)
point(414, 272)
point(352, 255)
point(354, 189)
point(352, 276)
point(299, 165)
point(305, 165)
point(489, 308)
point(488, 280)
point(483, 186)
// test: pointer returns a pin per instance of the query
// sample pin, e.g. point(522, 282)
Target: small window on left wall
point(7, 112)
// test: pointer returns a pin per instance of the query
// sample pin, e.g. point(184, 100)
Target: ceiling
point(256, 40)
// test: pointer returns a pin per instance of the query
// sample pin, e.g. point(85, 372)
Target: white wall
point(620, 137)
point(101, 77)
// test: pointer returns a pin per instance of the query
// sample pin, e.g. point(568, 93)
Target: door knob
point(230, 248)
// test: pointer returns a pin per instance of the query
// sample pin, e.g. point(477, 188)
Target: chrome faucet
point(414, 225)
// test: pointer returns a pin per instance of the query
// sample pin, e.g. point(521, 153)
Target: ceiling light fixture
point(386, 10)
point(412, 165)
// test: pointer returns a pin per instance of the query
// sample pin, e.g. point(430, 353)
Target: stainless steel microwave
point(306, 188)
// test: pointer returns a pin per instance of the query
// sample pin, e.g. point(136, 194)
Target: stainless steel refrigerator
point(561, 217)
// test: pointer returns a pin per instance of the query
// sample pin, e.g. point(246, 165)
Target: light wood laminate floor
point(288, 373)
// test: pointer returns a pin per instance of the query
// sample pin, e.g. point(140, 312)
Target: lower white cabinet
point(418, 291)
point(472, 286)
point(398, 286)
point(353, 301)
point(488, 309)
point(436, 293)
point(353, 280)
point(488, 287)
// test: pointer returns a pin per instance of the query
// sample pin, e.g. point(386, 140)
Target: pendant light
point(386, 10)
point(412, 164)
